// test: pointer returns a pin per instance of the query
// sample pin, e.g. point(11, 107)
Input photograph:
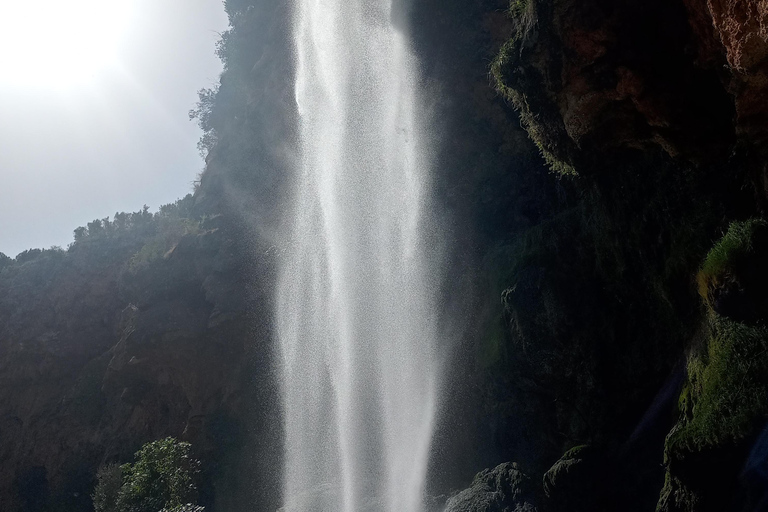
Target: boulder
point(505, 488)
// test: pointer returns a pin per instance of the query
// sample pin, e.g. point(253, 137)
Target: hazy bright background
point(93, 110)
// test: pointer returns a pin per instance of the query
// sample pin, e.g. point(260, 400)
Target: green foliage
point(727, 254)
point(162, 478)
point(110, 480)
point(235, 7)
point(28, 255)
point(723, 402)
point(204, 111)
point(171, 223)
point(5, 261)
point(124, 226)
point(247, 113)
point(146, 235)
point(727, 387)
point(525, 96)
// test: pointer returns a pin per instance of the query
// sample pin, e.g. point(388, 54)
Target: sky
point(94, 102)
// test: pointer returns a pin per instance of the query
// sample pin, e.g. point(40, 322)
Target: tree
point(5, 261)
point(162, 478)
point(205, 118)
point(95, 228)
point(28, 255)
point(110, 478)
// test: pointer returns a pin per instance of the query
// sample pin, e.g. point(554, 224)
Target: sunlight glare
point(58, 44)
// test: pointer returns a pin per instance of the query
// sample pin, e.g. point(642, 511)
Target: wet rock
point(505, 488)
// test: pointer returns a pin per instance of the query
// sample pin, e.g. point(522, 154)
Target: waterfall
point(357, 309)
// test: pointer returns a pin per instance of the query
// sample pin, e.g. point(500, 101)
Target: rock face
point(735, 31)
point(505, 488)
point(98, 357)
point(577, 482)
point(595, 78)
point(622, 94)
point(654, 114)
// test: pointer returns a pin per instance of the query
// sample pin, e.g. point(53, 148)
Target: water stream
point(356, 295)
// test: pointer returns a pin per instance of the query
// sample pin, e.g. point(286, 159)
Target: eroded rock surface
point(505, 488)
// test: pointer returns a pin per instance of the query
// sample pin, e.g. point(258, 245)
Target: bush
point(161, 479)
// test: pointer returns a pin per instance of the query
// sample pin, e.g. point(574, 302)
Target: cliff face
point(101, 353)
point(612, 338)
point(151, 328)
point(654, 111)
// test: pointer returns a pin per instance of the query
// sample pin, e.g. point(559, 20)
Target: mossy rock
point(724, 403)
point(722, 407)
point(734, 276)
point(524, 87)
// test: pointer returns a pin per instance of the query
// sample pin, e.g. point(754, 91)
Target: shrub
point(161, 479)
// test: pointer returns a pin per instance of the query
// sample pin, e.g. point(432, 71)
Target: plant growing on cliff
point(162, 478)
point(727, 255)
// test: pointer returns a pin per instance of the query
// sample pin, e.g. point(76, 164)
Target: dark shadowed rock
point(504, 488)
point(577, 481)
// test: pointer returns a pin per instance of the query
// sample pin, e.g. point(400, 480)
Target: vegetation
point(725, 397)
point(133, 240)
point(162, 479)
point(724, 402)
point(247, 117)
point(727, 257)
point(137, 225)
point(525, 93)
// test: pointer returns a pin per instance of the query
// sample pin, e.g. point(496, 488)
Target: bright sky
point(94, 96)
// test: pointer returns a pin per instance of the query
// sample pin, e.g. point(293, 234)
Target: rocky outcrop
point(579, 481)
point(732, 35)
point(593, 78)
point(505, 488)
point(714, 453)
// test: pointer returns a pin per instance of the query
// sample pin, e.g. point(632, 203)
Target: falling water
point(356, 308)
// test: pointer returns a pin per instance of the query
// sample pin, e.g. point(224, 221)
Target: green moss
point(722, 404)
point(502, 69)
point(725, 397)
point(724, 401)
point(726, 255)
point(675, 496)
point(531, 106)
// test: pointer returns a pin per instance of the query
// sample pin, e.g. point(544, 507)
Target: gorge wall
point(604, 167)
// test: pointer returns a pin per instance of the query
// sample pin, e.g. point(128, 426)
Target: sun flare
point(55, 44)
